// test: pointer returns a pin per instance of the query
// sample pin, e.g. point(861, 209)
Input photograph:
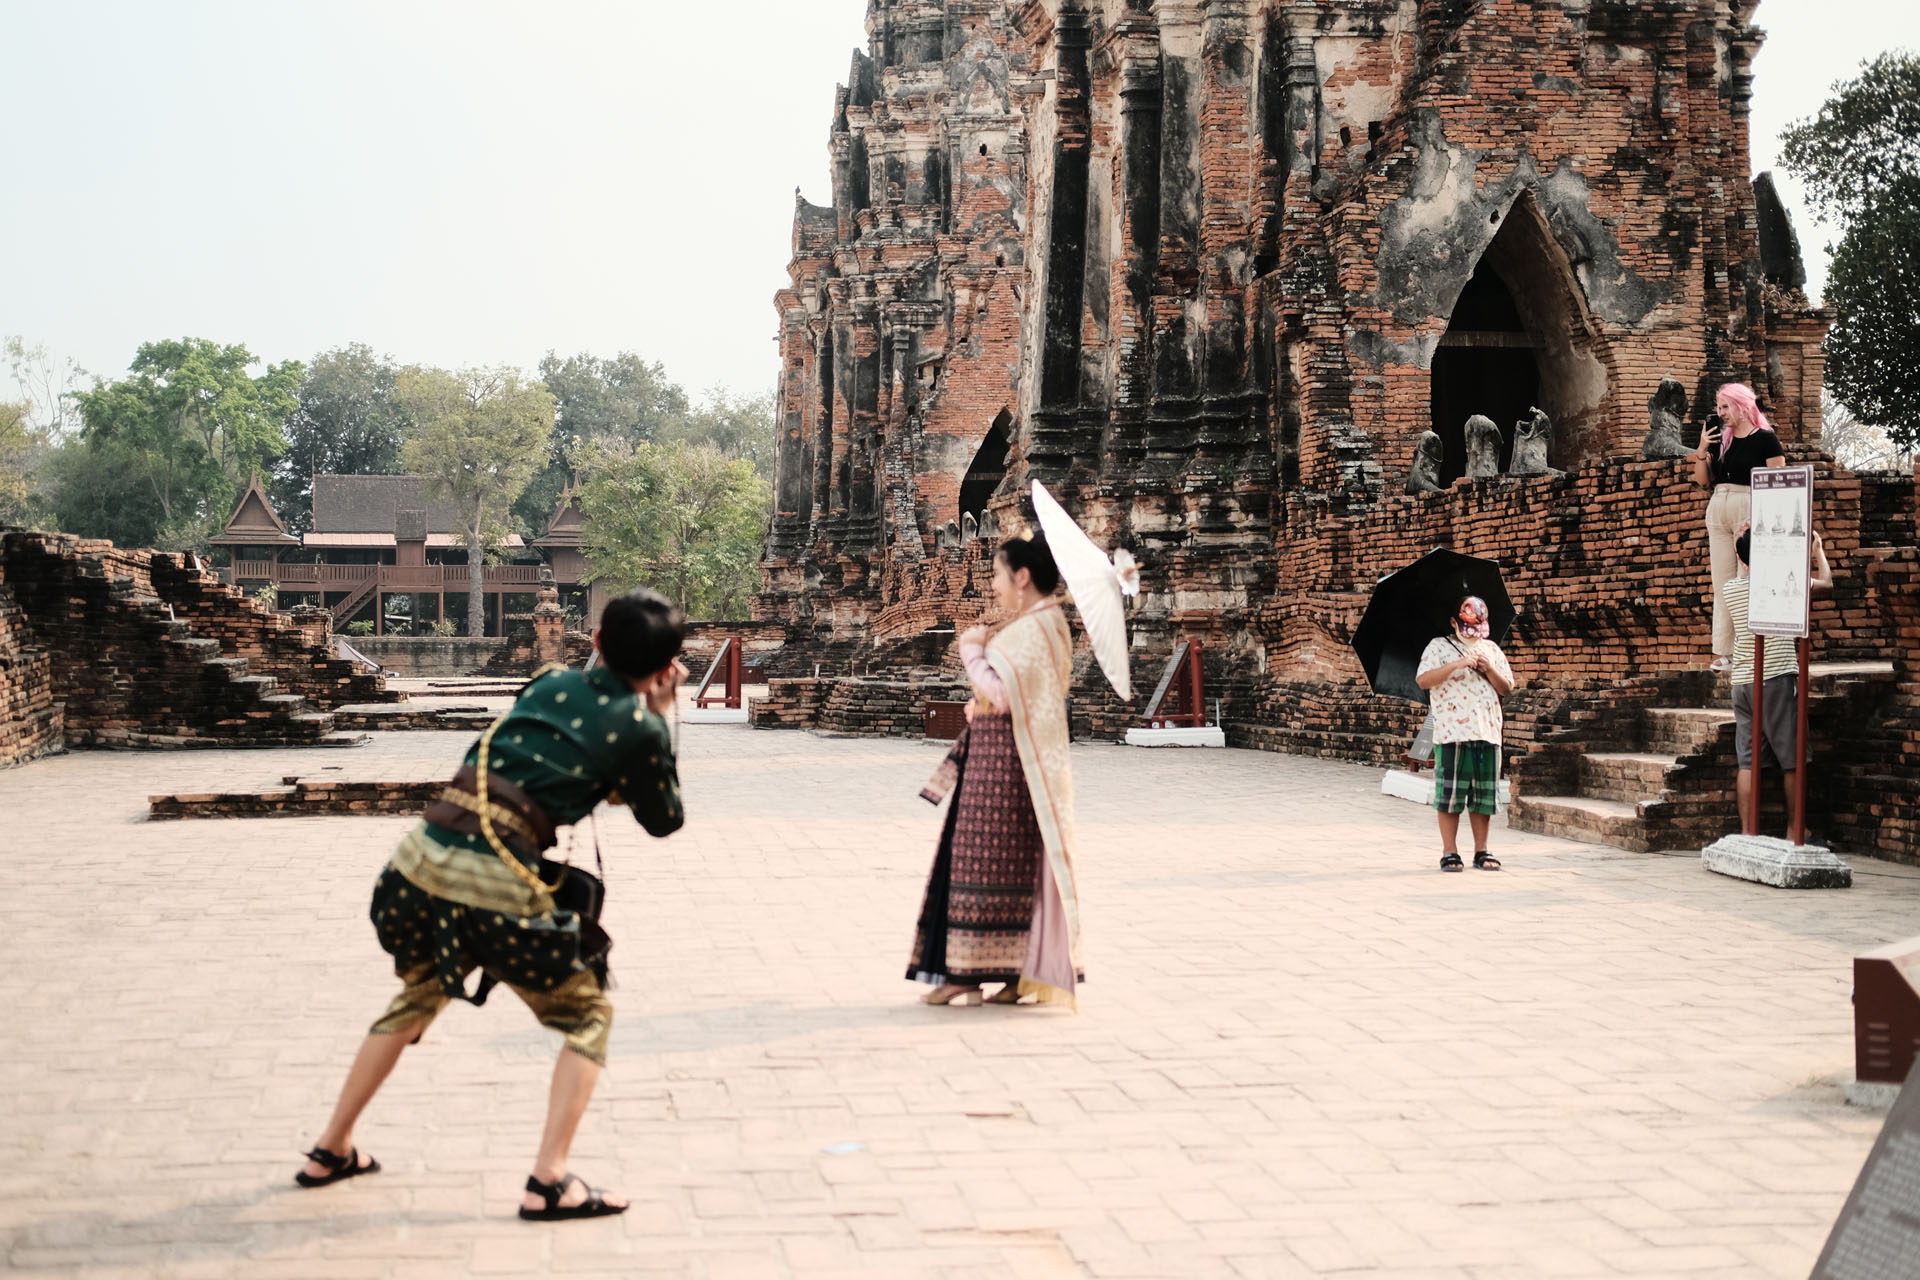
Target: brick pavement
point(1302, 1051)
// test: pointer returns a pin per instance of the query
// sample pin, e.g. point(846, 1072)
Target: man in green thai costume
point(467, 889)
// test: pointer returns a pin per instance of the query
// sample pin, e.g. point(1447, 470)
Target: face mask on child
point(1471, 622)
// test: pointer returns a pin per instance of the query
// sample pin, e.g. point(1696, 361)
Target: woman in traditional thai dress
point(1000, 904)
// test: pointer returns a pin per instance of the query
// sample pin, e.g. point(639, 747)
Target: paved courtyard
point(1302, 1051)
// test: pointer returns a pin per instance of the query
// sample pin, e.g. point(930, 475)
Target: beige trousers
point(1728, 510)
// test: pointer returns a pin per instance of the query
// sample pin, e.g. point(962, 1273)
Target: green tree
point(16, 447)
point(46, 384)
point(100, 490)
point(479, 436)
point(620, 401)
point(349, 422)
point(1860, 161)
point(43, 417)
point(738, 426)
point(686, 518)
point(197, 422)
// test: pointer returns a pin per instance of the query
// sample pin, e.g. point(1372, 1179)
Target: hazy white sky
point(473, 181)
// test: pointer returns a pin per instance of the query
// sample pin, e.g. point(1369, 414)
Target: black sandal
point(594, 1206)
point(339, 1168)
point(1451, 862)
point(1484, 861)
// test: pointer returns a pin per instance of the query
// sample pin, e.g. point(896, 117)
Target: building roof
point(563, 530)
point(372, 504)
point(254, 522)
point(434, 540)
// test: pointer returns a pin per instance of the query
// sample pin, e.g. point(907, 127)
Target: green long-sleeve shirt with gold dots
point(575, 738)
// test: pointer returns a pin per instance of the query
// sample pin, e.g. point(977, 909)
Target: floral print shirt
point(1465, 707)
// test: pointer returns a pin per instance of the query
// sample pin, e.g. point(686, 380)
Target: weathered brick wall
point(30, 721)
point(297, 651)
point(883, 708)
point(301, 799)
point(1872, 775)
point(125, 671)
point(446, 656)
point(1608, 566)
point(790, 703)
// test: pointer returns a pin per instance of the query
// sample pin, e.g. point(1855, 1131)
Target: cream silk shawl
point(1034, 660)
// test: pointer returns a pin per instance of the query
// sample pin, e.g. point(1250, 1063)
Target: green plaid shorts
point(1466, 777)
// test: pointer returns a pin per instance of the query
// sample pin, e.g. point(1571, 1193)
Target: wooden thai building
point(380, 551)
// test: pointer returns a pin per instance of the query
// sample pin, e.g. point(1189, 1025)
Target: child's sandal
point(1451, 862)
point(1484, 861)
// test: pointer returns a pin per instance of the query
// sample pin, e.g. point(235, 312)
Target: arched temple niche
point(1519, 336)
point(989, 468)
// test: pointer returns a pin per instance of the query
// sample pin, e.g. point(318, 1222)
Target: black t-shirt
point(1743, 455)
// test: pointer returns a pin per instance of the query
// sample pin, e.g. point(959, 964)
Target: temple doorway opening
point(1521, 337)
point(1485, 364)
point(988, 470)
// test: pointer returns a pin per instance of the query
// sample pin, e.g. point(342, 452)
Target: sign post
point(1780, 604)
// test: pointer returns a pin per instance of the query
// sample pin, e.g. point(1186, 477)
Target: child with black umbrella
point(1466, 675)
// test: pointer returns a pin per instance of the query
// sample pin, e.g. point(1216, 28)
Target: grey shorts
point(1780, 704)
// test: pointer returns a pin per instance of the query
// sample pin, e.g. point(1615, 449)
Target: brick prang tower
point(1210, 268)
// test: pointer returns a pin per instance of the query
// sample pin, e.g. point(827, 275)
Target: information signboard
point(1778, 598)
point(1878, 1234)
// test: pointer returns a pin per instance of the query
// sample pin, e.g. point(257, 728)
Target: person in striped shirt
point(1780, 695)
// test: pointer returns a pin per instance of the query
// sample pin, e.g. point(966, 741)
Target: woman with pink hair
point(1746, 441)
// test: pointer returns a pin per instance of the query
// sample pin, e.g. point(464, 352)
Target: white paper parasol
point(1097, 584)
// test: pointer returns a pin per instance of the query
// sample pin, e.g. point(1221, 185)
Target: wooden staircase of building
point(355, 598)
point(1661, 777)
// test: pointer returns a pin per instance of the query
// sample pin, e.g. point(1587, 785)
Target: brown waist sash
point(511, 811)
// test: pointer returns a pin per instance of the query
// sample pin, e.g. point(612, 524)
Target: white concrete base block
point(1211, 736)
point(714, 715)
point(1418, 787)
point(1771, 860)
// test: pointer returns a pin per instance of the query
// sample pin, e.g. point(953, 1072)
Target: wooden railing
point(387, 577)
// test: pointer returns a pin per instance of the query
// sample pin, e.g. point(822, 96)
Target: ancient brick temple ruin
point(105, 647)
point(1213, 269)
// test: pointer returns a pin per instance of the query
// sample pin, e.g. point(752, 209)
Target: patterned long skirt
point(979, 905)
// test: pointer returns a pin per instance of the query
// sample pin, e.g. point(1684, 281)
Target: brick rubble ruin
point(103, 647)
point(1211, 269)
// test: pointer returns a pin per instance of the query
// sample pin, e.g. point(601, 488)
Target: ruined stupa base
point(1780, 863)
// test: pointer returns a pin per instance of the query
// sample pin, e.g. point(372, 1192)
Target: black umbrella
point(1409, 608)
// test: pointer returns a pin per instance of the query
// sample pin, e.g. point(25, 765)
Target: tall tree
point(687, 519)
point(349, 422)
point(1860, 161)
point(738, 426)
point(100, 490)
point(46, 383)
point(479, 436)
point(197, 422)
point(624, 400)
point(17, 443)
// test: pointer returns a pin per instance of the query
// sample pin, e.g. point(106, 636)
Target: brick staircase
point(883, 708)
point(1656, 773)
point(125, 671)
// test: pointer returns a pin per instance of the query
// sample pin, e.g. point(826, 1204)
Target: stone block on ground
point(1780, 863)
